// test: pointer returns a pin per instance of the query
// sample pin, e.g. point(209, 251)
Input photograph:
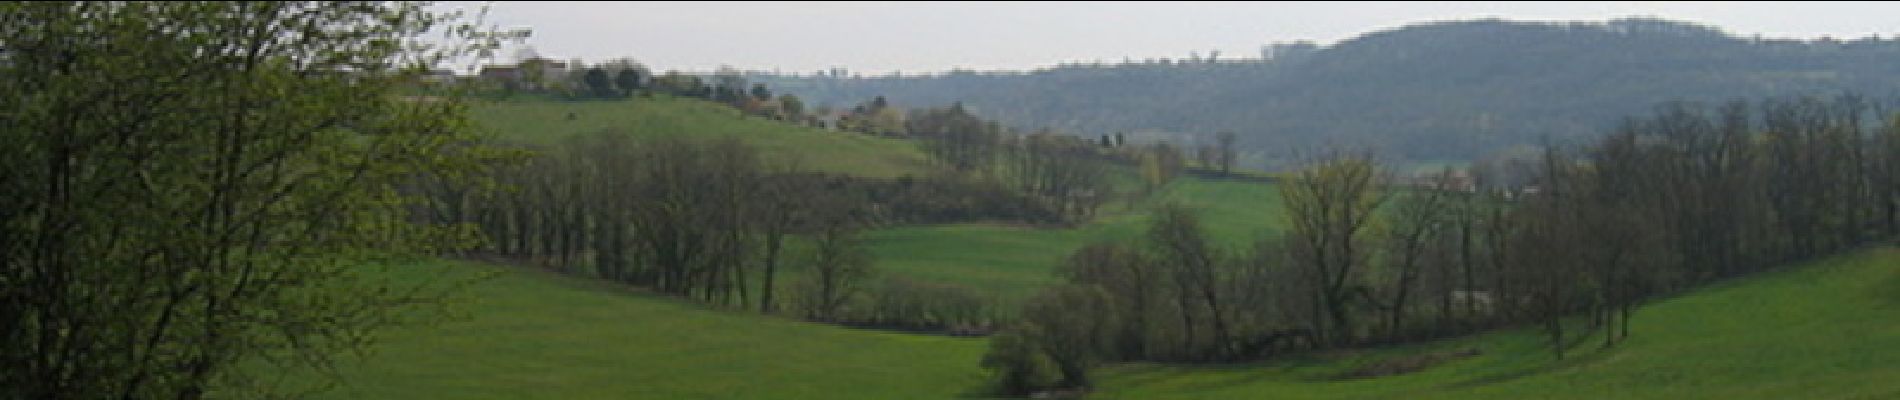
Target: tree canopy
point(188, 186)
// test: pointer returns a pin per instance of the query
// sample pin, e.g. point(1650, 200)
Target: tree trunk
point(772, 242)
point(1627, 309)
point(1187, 320)
point(1554, 326)
point(1222, 341)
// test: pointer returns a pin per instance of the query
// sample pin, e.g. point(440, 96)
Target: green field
point(1826, 329)
point(546, 122)
point(534, 334)
point(1010, 262)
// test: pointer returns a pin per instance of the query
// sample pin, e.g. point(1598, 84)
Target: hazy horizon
point(920, 38)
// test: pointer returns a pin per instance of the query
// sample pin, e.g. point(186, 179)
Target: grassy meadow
point(533, 334)
point(1825, 329)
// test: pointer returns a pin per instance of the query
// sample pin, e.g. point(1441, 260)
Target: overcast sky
point(878, 38)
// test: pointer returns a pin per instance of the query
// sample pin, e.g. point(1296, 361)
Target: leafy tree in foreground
point(189, 186)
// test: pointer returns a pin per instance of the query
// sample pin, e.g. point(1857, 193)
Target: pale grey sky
point(880, 37)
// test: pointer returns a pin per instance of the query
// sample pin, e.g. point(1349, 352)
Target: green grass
point(532, 334)
point(545, 122)
point(1011, 262)
point(1828, 329)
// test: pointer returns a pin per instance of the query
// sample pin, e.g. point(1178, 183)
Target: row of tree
point(1062, 172)
point(615, 79)
point(1668, 202)
point(715, 221)
point(625, 78)
point(686, 217)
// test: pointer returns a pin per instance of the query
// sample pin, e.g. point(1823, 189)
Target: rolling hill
point(1823, 329)
point(1444, 91)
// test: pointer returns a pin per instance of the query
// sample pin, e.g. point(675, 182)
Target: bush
point(904, 303)
point(1017, 364)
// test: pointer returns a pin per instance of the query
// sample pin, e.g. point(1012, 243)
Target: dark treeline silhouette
point(1571, 242)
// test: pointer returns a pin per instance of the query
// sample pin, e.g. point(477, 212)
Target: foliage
point(191, 186)
point(1330, 206)
point(1017, 365)
point(1064, 332)
point(955, 138)
point(1160, 164)
point(906, 303)
point(839, 263)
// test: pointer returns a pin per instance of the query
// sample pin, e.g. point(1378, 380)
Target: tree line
point(624, 78)
point(691, 218)
point(1572, 241)
point(716, 221)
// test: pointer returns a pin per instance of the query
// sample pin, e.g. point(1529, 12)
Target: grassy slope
point(545, 122)
point(1828, 329)
point(1824, 330)
point(532, 334)
point(1011, 262)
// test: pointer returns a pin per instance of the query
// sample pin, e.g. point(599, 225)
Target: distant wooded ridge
point(1434, 92)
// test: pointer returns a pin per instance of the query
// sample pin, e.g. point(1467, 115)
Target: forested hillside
point(1439, 91)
